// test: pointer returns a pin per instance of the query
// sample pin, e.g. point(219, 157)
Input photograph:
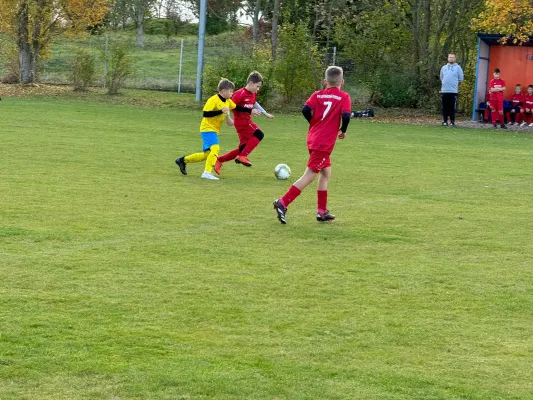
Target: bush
point(83, 68)
point(237, 69)
point(394, 89)
point(9, 59)
point(299, 69)
point(119, 66)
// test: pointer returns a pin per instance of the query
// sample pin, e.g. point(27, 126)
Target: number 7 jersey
point(328, 105)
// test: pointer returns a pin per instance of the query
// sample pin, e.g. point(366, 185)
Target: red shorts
point(318, 160)
point(246, 131)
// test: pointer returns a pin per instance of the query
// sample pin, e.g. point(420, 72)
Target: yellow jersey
point(214, 103)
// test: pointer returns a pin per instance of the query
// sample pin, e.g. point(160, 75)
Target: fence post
point(105, 59)
point(181, 62)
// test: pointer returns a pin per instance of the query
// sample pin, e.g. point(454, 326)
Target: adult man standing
point(451, 75)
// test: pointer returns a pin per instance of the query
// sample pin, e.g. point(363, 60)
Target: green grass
point(123, 279)
point(156, 65)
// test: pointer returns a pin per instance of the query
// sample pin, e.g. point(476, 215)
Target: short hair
point(518, 85)
point(334, 75)
point(530, 86)
point(496, 70)
point(225, 84)
point(254, 77)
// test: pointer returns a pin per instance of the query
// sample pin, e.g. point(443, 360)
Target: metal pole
point(201, 38)
point(181, 62)
point(334, 54)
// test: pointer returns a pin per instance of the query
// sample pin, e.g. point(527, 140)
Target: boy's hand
point(229, 121)
point(269, 116)
point(255, 112)
point(224, 110)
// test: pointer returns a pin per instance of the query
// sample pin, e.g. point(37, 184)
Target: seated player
point(528, 107)
point(516, 113)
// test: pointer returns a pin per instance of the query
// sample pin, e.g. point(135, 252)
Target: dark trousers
point(449, 104)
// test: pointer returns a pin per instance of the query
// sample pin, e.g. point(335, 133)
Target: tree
point(275, 18)
point(36, 22)
point(140, 10)
point(513, 19)
point(220, 13)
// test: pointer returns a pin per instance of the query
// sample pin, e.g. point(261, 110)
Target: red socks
point(229, 156)
point(322, 196)
point(290, 196)
point(250, 146)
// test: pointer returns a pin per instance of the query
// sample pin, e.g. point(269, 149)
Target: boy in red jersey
point(528, 106)
point(496, 89)
point(324, 110)
point(515, 115)
point(249, 133)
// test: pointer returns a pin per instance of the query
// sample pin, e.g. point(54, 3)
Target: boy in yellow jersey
point(215, 110)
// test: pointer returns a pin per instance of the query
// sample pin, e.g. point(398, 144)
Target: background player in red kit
point(496, 89)
point(516, 114)
point(249, 133)
point(324, 110)
point(528, 106)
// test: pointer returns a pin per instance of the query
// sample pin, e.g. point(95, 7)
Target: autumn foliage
point(34, 23)
point(512, 18)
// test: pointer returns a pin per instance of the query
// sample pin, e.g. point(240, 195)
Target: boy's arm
point(346, 116)
point(307, 113)
point(257, 106)
point(307, 109)
point(209, 109)
point(210, 114)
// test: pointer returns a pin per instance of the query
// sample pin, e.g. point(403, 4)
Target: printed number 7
point(328, 106)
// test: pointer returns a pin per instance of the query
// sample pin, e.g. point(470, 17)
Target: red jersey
point(328, 105)
point(517, 99)
point(496, 83)
point(528, 101)
point(246, 99)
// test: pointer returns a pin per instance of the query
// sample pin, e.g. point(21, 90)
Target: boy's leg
point(230, 155)
point(191, 158)
point(212, 158)
point(494, 112)
point(322, 213)
point(281, 204)
point(249, 135)
point(252, 143)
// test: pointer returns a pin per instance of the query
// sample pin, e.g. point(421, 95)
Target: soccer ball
point(282, 171)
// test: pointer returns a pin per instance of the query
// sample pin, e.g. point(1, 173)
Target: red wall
point(515, 64)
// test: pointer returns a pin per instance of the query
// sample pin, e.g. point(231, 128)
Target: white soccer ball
point(282, 171)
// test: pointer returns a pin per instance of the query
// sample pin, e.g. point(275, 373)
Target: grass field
point(123, 279)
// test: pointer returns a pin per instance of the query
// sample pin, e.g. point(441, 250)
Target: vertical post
point(334, 54)
point(105, 59)
point(201, 39)
point(181, 63)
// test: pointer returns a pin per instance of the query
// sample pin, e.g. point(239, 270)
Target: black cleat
point(503, 126)
point(495, 126)
point(281, 210)
point(452, 124)
point(327, 216)
point(444, 123)
point(181, 163)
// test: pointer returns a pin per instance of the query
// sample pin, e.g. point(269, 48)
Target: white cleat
point(515, 124)
point(209, 176)
point(523, 124)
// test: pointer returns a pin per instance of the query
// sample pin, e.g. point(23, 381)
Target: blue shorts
point(209, 138)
